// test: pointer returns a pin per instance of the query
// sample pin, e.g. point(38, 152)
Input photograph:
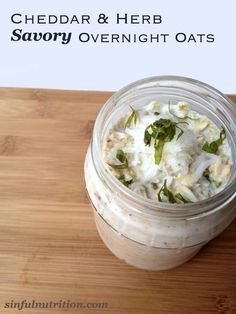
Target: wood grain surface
point(49, 247)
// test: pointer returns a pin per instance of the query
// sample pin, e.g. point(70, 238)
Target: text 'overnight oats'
point(169, 153)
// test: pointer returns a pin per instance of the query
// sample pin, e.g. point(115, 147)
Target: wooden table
point(49, 247)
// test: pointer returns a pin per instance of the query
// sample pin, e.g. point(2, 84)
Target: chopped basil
point(158, 151)
point(156, 113)
point(206, 174)
point(167, 193)
point(125, 182)
point(162, 131)
point(213, 146)
point(147, 137)
point(170, 196)
point(120, 155)
point(181, 132)
point(181, 198)
point(132, 118)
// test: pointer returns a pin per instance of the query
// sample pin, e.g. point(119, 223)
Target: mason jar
point(144, 233)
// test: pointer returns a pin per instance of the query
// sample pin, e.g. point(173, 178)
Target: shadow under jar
point(144, 233)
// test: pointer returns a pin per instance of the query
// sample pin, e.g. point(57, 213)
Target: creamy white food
point(156, 242)
point(192, 164)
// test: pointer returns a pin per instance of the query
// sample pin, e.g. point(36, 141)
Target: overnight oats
point(160, 170)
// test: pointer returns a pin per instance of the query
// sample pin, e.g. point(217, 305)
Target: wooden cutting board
point(49, 247)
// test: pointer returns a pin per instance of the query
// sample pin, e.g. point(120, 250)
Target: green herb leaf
point(162, 131)
point(170, 195)
point(125, 182)
point(181, 198)
point(132, 118)
point(167, 193)
point(158, 151)
point(181, 132)
point(213, 146)
point(120, 155)
point(206, 174)
point(156, 113)
point(163, 123)
point(147, 137)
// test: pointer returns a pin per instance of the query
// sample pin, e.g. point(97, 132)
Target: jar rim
point(150, 206)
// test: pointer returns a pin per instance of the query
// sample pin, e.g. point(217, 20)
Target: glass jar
point(140, 231)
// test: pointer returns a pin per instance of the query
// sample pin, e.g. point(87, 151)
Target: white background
point(111, 66)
